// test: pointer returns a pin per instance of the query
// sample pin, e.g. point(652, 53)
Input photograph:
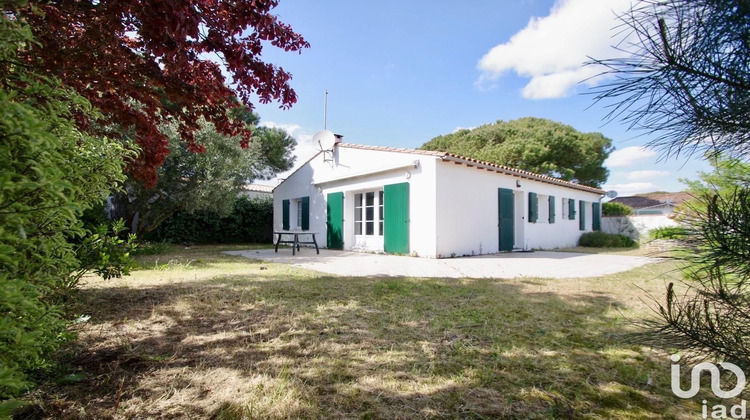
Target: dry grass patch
point(215, 336)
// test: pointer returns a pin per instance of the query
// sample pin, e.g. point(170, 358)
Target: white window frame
point(360, 209)
point(381, 209)
point(542, 210)
point(298, 209)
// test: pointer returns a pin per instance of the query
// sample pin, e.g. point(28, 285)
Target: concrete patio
point(544, 264)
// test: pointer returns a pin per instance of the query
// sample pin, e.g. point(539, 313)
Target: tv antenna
point(324, 140)
point(325, 111)
point(611, 194)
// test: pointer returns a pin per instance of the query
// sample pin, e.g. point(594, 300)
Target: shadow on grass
point(199, 254)
point(294, 346)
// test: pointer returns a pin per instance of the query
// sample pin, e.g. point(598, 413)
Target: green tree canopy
point(207, 181)
point(728, 174)
point(536, 145)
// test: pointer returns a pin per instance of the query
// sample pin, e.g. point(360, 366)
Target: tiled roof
point(653, 199)
point(470, 161)
point(637, 202)
point(673, 198)
point(392, 149)
point(259, 188)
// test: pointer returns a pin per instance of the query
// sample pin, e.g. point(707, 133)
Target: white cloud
point(550, 50)
point(457, 129)
point(624, 190)
point(557, 85)
point(628, 156)
point(646, 175)
point(289, 128)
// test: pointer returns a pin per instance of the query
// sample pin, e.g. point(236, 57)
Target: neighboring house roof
point(474, 162)
point(637, 202)
point(671, 198)
point(259, 188)
point(641, 201)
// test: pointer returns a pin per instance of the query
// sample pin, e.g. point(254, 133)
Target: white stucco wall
point(636, 227)
point(467, 218)
point(317, 179)
point(453, 208)
point(298, 185)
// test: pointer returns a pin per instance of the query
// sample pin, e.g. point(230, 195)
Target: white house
point(430, 204)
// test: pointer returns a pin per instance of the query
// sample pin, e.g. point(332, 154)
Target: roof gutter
point(411, 165)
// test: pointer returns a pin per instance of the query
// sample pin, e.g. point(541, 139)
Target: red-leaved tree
point(142, 62)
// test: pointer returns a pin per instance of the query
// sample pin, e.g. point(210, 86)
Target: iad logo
point(695, 378)
point(718, 411)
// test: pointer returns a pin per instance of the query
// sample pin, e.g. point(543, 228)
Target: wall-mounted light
point(518, 183)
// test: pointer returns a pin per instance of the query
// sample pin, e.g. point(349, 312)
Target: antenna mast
point(325, 111)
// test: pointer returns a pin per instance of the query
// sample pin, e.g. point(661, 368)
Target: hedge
point(616, 209)
point(605, 240)
point(251, 221)
point(668, 232)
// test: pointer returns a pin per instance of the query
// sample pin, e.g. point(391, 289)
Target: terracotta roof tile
point(674, 198)
point(465, 160)
point(391, 149)
point(637, 202)
point(259, 188)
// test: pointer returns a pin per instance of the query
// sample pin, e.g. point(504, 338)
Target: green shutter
point(505, 219)
point(551, 200)
point(285, 217)
point(571, 209)
point(305, 213)
point(533, 207)
point(396, 218)
point(335, 217)
point(582, 217)
point(596, 217)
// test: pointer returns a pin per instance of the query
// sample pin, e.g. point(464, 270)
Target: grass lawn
point(646, 249)
point(195, 333)
point(632, 252)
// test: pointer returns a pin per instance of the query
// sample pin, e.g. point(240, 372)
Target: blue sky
point(399, 73)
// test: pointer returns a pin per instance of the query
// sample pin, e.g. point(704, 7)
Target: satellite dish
point(324, 140)
point(611, 194)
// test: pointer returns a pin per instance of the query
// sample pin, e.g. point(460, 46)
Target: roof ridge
point(392, 149)
point(475, 161)
point(259, 187)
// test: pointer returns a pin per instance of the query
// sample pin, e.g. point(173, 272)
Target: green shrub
point(605, 240)
point(616, 209)
point(668, 232)
point(104, 252)
point(151, 248)
point(251, 220)
point(96, 216)
point(50, 173)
